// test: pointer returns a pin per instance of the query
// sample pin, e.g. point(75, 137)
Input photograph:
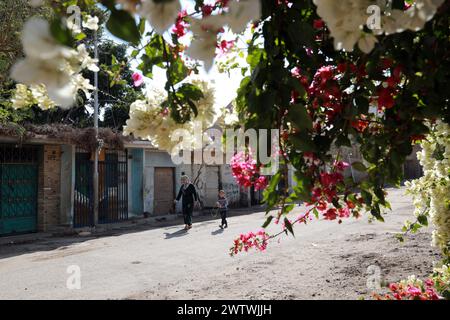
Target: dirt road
point(325, 261)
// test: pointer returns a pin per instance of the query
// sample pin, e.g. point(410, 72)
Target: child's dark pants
point(223, 215)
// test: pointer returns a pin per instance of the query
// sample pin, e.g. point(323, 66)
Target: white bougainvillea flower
point(205, 105)
point(63, 96)
point(203, 49)
point(149, 121)
point(203, 46)
point(22, 97)
point(427, 8)
point(32, 71)
point(41, 97)
point(38, 42)
point(160, 15)
point(48, 72)
point(90, 22)
point(83, 84)
point(73, 26)
point(55, 66)
point(430, 192)
point(87, 62)
point(240, 13)
point(346, 18)
point(367, 42)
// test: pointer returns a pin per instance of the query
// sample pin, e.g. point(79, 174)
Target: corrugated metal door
point(164, 191)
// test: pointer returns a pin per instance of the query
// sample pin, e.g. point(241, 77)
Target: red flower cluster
point(207, 9)
point(250, 240)
point(224, 47)
point(324, 91)
point(388, 88)
point(318, 24)
point(361, 124)
point(401, 291)
point(246, 172)
point(326, 192)
point(180, 27)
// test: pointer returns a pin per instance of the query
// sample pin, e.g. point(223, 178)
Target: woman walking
point(189, 198)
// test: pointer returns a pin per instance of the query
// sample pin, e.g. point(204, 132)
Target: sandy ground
point(325, 261)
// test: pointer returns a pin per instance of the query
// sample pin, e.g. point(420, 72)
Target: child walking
point(222, 204)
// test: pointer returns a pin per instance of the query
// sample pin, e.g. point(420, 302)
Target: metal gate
point(18, 189)
point(83, 203)
point(112, 188)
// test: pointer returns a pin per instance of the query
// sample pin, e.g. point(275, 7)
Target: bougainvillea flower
point(138, 79)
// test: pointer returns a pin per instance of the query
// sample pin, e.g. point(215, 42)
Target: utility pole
point(95, 182)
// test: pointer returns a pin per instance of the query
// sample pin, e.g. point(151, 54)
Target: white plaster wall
point(230, 186)
point(149, 173)
point(153, 159)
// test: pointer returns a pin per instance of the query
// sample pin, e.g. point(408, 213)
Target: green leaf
point(299, 116)
point(141, 26)
point(302, 143)
point(423, 220)
point(302, 187)
point(288, 208)
point(177, 71)
point(61, 33)
point(270, 195)
point(316, 213)
point(80, 36)
point(268, 221)
point(122, 25)
point(288, 226)
point(359, 166)
point(191, 91)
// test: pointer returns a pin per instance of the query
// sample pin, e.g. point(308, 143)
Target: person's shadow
point(216, 232)
point(179, 233)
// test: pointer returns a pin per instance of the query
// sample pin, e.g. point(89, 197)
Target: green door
point(18, 198)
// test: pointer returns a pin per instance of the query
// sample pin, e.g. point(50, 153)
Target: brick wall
point(49, 188)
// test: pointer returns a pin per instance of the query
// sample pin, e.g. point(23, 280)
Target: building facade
point(46, 184)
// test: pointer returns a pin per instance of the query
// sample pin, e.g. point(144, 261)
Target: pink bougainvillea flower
point(341, 165)
point(414, 291)
point(207, 9)
point(138, 79)
point(260, 183)
point(246, 171)
point(224, 47)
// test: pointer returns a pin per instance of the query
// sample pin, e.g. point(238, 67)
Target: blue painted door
point(18, 198)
